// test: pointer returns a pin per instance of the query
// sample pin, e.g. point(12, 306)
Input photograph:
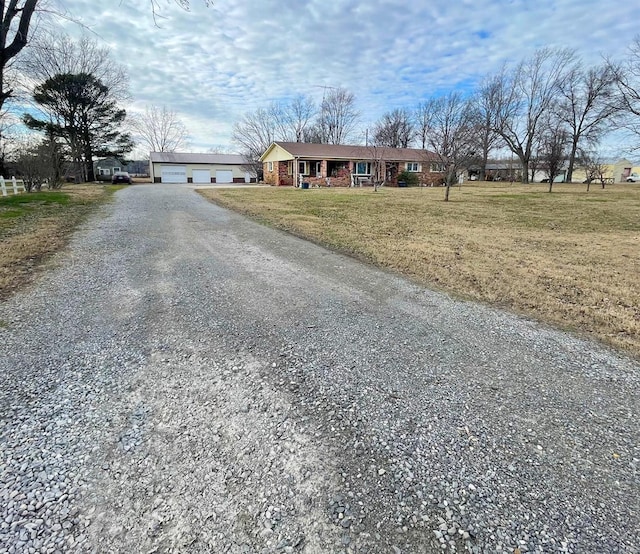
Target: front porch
point(334, 173)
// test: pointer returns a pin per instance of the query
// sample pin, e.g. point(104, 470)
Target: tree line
point(548, 110)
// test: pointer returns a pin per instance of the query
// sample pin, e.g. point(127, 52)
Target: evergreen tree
point(80, 110)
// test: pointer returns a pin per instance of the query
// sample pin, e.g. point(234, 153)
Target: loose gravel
point(184, 380)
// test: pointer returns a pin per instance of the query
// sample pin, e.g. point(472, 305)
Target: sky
point(212, 65)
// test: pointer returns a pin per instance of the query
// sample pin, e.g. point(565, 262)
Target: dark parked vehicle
point(121, 177)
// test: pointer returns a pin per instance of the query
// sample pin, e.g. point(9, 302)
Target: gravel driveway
point(185, 380)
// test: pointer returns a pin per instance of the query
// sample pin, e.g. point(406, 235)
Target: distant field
point(571, 258)
point(33, 226)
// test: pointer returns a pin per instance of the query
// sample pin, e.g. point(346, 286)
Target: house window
point(438, 168)
point(269, 166)
point(413, 166)
point(318, 169)
point(335, 169)
point(290, 168)
point(104, 171)
point(302, 168)
point(116, 169)
point(362, 168)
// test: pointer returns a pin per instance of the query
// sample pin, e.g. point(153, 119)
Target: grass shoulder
point(34, 226)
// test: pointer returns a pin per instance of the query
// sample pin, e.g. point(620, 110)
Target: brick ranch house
point(337, 165)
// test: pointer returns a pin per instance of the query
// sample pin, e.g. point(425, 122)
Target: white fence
point(15, 186)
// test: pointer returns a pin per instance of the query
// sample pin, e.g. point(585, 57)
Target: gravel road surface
point(185, 380)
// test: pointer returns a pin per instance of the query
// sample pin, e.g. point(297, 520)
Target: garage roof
point(197, 158)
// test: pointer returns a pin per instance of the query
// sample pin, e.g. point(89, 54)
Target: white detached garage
point(183, 167)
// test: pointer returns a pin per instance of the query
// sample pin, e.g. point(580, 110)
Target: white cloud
point(213, 64)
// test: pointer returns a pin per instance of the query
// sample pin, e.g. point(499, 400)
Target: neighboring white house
point(179, 167)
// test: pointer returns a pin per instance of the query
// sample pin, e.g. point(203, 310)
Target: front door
point(392, 173)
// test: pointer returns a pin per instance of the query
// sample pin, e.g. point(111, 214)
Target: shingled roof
point(197, 158)
point(310, 150)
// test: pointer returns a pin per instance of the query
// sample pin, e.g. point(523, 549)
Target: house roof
point(197, 158)
point(353, 152)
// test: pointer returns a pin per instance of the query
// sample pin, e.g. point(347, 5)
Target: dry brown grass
point(34, 226)
point(571, 258)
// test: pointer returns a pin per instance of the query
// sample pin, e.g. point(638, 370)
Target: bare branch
point(450, 134)
point(338, 117)
point(394, 129)
point(52, 54)
point(184, 4)
point(627, 80)
point(159, 129)
point(588, 106)
point(524, 96)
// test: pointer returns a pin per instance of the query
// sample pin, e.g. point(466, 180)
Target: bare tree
point(254, 133)
point(535, 161)
point(313, 134)
point(553, 148)
point(484, 104)
point(378, 175)
point(337, 118)
point(594, 167)
point(524, 96)
point(159, 129)
point(299, 114)
point(422, 117)
point(451, 135)
point(588, 106)
point(627, 79)
point(292, 120)
point(394, 129)
point(38, 162)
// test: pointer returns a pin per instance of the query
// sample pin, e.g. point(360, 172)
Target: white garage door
point(173, 174)
point(201, 175)
point(224, 176)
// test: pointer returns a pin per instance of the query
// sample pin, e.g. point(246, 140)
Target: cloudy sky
point(213, 64)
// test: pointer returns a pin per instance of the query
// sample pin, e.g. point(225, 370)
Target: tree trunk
point(91, 177)
point(483, 167)
point(87, 151)
point(450, 180)
point(524, 179)
point(572, 158)
point(485, 159)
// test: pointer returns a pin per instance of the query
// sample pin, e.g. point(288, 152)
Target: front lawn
point(571, 258)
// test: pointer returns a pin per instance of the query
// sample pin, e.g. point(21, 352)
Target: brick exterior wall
point(425, 178)
point(333, 181)
point(279, 176)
